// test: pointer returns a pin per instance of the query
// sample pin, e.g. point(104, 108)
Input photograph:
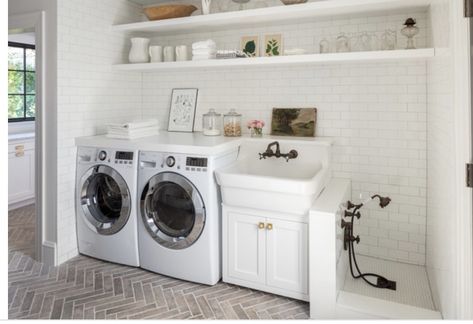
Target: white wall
point(376, 112)
point(49, 135)
point(89, 93)
point(445, 223)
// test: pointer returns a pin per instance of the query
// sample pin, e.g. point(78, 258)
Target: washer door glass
point(105, 199)
point(172, 210)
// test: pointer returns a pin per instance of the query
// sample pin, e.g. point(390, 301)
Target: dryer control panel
point(196, 164)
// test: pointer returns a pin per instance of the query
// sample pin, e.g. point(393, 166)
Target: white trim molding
point(463, 140)
point(36, 22)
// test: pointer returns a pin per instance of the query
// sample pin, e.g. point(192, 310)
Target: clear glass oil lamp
point(410, 31)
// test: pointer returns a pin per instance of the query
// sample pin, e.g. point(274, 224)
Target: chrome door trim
point(147, 214)
point(101, 227)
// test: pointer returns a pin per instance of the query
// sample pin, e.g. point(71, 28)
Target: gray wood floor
point(86, 288)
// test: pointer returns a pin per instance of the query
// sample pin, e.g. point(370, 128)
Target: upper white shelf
point(299, 13)
point(373, 56)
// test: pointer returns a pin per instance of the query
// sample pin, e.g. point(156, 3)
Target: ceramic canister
point(169, 54)
point(181, 53)
point(156, 53)
point(139, 50)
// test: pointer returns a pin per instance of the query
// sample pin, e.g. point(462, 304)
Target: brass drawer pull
point(269, 227)
point(261, 225)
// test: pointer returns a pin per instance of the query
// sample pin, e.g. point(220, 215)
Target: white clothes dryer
point(105, 204)
point(179, 227)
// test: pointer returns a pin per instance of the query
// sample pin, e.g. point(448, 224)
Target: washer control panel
point(122, 157)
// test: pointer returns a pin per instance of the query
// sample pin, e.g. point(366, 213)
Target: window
point(21, 82)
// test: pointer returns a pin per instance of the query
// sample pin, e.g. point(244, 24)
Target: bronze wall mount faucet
point(270, 153)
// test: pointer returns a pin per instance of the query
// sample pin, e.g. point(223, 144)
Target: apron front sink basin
point(273, 184)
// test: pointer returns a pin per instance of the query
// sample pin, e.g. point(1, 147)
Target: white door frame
point(463, 139)
point(36, 21)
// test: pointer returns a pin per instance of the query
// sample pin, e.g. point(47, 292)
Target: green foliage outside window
point(21, 82)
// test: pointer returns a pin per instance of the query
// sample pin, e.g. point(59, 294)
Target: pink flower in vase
point(256, 127)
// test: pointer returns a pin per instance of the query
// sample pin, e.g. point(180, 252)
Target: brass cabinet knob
point(261, 225)
point(269, 227)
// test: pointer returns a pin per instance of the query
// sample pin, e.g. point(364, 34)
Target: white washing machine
point(180, 215)
point(106, 204)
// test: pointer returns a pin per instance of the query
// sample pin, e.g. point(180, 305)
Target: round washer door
point(173, 211)
point(105, 199)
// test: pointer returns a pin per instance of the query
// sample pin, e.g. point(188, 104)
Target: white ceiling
point(25, 38)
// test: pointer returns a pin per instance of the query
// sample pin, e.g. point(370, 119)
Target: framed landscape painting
point(298, 122)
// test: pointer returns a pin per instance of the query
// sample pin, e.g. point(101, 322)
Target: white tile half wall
point(89, 93)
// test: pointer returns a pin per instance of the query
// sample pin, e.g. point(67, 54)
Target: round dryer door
point(173, 211)
point(105, 199)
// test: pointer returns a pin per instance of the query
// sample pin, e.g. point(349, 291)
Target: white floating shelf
point(373, 56)
point(297, 13)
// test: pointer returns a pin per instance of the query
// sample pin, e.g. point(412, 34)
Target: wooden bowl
point(291, 2)
point(169, 11)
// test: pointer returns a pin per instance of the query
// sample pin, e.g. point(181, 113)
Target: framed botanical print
point(182, 111)
point(273, 45)
point(250, 45)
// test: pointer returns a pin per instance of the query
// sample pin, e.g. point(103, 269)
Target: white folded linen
point(133, 134)
point(204, 51)
point(204, 44)
point(204, 57)
point(128, 137)
point(140, 131)
point(135, 124)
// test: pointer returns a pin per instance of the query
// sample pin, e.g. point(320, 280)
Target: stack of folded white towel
point(133, 130)
point(205, 50)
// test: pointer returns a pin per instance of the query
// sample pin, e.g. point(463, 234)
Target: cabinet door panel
point(246, 247)
point(287, 255)
point(20, 176)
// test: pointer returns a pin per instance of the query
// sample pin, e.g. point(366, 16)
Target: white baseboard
point(48, 253)
point(20, 204)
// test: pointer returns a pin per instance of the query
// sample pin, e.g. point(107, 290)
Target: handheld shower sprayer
point(352, 211)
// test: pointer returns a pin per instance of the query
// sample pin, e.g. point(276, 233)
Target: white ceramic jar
point(139, 52)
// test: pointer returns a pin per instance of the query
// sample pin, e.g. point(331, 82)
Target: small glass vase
point(256, 132)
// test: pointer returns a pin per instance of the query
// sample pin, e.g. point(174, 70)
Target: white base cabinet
point(266, 252)
point(21, 172)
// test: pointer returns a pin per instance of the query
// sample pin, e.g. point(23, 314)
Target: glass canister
point(212, 123)
point(232, 124)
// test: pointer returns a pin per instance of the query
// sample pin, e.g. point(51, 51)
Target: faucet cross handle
point(261, 156)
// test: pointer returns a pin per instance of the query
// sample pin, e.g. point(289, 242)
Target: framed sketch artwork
point(182, 111)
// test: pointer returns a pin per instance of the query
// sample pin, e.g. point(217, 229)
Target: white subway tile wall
point(375, 112)
point(90, 94)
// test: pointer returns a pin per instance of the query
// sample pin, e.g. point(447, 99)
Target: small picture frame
point(182, 110)
point(299, 122)
point(273, 45)
point(250, 45)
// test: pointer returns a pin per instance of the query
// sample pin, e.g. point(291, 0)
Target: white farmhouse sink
point(273, 184)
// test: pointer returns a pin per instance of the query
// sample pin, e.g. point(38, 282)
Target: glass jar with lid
point(232, 124)
point(212, 123)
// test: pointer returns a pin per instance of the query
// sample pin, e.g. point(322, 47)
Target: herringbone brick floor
point(86, 288)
